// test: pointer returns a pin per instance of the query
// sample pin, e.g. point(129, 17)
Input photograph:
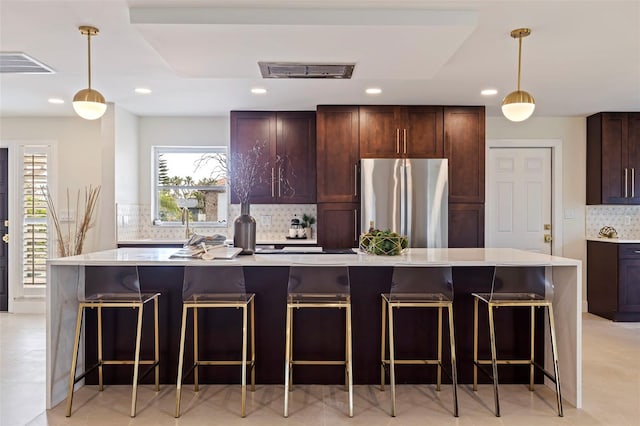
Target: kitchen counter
point(266, 275)
point(613, 240)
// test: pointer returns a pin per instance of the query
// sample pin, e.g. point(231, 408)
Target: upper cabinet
point(464, 146)
point(613, 158)
point(288, 151)
point(401, 131)
point(338, 154)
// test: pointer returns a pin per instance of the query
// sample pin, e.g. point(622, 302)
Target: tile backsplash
point(134, 222)
point(625, 219)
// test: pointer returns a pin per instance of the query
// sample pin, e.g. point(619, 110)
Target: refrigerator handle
point(397, 141)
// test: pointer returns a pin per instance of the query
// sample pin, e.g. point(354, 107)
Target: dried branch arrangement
point(248, 170)
point(71, 240)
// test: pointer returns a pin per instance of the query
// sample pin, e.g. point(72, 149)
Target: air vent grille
point(305, 70)
point(20, 63)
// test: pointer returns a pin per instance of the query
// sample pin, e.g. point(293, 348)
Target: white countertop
point(613, 240)
point(415, 256)
point(266, 242)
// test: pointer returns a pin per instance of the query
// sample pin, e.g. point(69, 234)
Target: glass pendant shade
point(89, 104)
point(518, 105)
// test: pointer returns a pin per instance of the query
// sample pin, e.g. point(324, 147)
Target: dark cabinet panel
point(464, 146)
point(613, 158)
point(296, 157)
point(466, 225)
point(613, 280)
point(248, 130)
point(338, 225)
point(288, 154)
point(338, 154)
point(401, 131)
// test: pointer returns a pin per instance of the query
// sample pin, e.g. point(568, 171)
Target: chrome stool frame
point(244, 301)
point(322, 301)
point(416, 300)
point(532, 301)
point(114, 300)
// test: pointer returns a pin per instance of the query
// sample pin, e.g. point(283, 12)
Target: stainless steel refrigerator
point(407, 196)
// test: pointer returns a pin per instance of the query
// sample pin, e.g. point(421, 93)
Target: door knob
point(5, 238)
point(547, 238)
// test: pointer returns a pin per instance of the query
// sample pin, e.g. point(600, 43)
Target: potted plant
point(307, 221)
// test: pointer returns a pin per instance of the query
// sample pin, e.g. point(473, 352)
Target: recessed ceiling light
point(142, 90)
point(373, 91)
point(258, 90)
point(56, 101)
point(489, 92)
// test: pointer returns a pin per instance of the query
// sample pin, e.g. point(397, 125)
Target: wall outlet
point(265, 220)
point(627, 220)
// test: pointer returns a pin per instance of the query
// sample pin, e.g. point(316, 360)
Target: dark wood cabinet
point(613, 280)
point(338, 154)
point(613, 158)
point(466, 225)
point(338, 225)
point(287, 150)
point(464, 147)
point(401, 131)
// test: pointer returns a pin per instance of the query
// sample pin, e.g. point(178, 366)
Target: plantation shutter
point(34, 232)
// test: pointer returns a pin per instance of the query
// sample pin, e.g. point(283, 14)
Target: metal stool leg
point(100, 358)
point(349, 359)
point(382, 344)
point(156, 349)
point(439, 368)
point(454, 368)
point(183, 330)
point(244, 360)
point(196, 369)
point(136, 362)
point(554, 353)
point(494, 362)
point(532, 358)
point(74, 359)
point(475, 344)
point(392, 363)
point(253, 346)
point(287, 362)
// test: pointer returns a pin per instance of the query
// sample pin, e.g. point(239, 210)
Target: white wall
point(572, 132)
point(126, 157)
point(175, 131)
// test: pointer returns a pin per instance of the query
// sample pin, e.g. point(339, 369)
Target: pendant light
point(88, 103)
point(518, 105)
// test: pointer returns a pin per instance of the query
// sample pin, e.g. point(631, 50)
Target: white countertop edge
point(413, 257)
point(613, 240)
point(291, 242)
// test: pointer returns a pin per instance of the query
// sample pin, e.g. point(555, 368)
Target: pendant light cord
point(519, 60)
point(89, 58)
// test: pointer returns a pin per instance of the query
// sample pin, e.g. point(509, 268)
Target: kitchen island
point(266, 275)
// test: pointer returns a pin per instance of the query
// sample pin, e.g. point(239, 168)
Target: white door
point(518, 203)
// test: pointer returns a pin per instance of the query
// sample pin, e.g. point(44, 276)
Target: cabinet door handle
point(279, 181)
point(355, 225)
point(626, 182)
point(636, 251)
point(355, 180)
point(397, 141)
point(273, 182)
point(633, 182)
point(405, 140)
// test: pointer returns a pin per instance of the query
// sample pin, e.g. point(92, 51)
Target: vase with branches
point(71, 239)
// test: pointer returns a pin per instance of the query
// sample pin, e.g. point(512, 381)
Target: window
point(34, 225)
point(190, 181)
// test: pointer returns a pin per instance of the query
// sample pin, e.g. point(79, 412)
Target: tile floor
point(611, 393)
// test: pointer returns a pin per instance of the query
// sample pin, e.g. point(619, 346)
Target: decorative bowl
point(383, 244)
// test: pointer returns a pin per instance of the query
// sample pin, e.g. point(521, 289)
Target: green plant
point(307, 220)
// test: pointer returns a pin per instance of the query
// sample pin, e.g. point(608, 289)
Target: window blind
point(34, 232)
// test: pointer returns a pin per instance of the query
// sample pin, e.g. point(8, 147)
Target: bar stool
point(209, 287)
point(418, 287)
point(118, 287)
point(517, 287)
point(317, 287)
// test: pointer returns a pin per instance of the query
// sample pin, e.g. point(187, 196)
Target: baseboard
point(29, 305)
point(585, 307)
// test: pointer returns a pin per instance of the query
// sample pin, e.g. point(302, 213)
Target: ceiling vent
point(305, 70)
point(20, 63)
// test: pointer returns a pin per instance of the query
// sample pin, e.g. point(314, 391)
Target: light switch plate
point(569, 213)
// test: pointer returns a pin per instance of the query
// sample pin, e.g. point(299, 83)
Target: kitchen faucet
point(185, 219)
